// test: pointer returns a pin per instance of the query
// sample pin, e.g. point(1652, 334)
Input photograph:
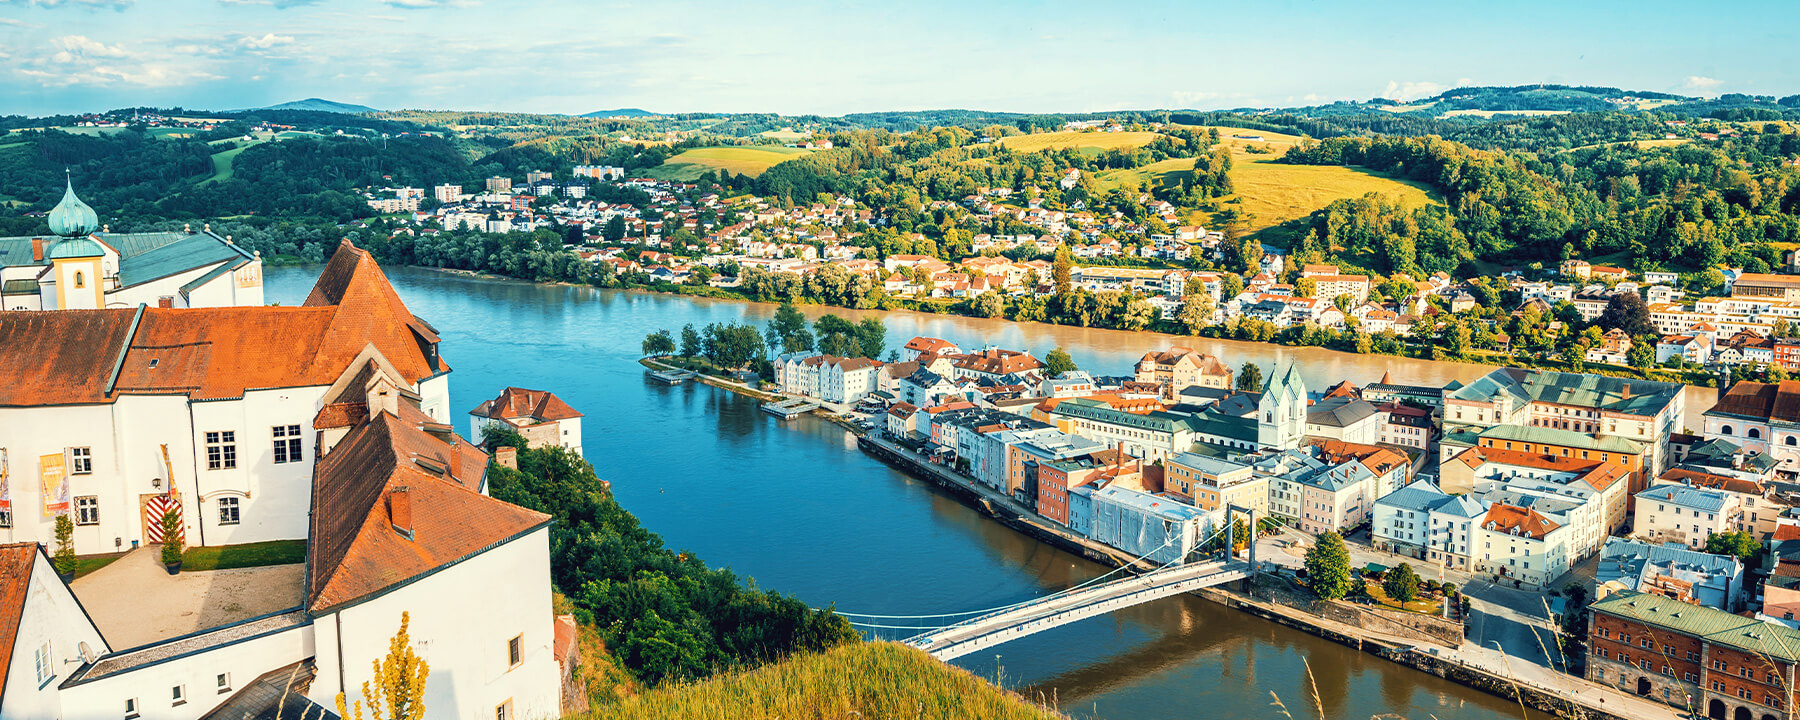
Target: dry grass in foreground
point(870, 680)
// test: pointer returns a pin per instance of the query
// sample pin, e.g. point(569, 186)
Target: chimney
point(507, 456)
point(1625, 391)
point(400, 510)
point(37, 249)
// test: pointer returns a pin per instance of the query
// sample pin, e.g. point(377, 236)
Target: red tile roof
point(16, 562)
point(1529, 523)
point(1709, 480)
point(1778, 401)
point(539, 405)
point(356, 550)
point(69, 357)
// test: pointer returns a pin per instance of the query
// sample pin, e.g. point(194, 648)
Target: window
point(80, 279)
point(1754, 433)
point(87, 510)
point(43, 663)
point(221, 450)
point(228, 511)
point(515, 651)
point(131, 710)
point(503, 711)
point(287, 443)
point(178, 695)
point(224, 683)
point(6, 518)
point(81, 461)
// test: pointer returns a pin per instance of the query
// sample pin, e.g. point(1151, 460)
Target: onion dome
point(73, 217)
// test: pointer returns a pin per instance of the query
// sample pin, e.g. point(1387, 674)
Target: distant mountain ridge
point(621, 112)
point(322, 105)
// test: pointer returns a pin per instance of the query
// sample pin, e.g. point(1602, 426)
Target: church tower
point(1281, 411)
point(75, 260)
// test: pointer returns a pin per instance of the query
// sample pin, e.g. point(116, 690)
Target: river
point(798, 508)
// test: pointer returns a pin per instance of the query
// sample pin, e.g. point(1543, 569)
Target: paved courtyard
point(135, 602)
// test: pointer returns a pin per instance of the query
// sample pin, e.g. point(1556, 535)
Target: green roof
point(1158, 421)
point(1621, 395)
point(1225, 426)
point(1567, 438)
point(1716, 626)
point(69, 248)
point(145, 257)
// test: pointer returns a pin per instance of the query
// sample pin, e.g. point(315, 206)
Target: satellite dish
point(87, 653)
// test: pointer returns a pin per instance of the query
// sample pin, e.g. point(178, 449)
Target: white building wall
point(51, 618)
point(198, 674)
point(498, 595)
point(273, 497)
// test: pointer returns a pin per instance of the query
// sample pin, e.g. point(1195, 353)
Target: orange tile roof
point(1377, 459)
point(1529, 523)
point(1709, 480)
point(69, 357)
point(355, 550)
point(340, 415)
point(16, 562)
point(540, 405)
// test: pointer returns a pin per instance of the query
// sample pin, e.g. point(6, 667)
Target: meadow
point(740, 160)
point(867, 680)
point(1096, 141)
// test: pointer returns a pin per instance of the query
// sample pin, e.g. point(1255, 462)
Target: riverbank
point(1488, 671)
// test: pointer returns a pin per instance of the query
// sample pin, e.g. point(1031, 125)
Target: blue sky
point(573, 56)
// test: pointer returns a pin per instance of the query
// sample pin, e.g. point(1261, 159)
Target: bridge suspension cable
point(856, 619)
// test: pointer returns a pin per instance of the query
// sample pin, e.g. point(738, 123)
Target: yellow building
point(1211, 483)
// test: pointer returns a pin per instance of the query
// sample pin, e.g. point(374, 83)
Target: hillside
point(869, 680)
point(749, 160)
point(620, 113)
point(322, 105)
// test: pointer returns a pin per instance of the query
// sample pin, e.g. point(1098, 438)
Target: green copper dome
point(73, 217)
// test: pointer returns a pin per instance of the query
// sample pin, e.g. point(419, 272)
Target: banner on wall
point(55, 479)
point(169, 474)
point(5, 483)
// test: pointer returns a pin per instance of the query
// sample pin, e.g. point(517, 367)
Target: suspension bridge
point(1099, 596)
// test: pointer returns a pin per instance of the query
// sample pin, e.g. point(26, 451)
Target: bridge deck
point(1067, 607)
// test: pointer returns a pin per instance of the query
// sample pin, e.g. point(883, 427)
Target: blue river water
point(798, 509)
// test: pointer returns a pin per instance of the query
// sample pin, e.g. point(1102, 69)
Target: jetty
point(790, 408)
point(672, 377)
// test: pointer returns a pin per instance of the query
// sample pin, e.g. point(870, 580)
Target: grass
point(1156, 173)
point(740, 160)
point(1419, 605)
point(226, 557)
point(869, 680)
point(1097, 141)
point(88, 563)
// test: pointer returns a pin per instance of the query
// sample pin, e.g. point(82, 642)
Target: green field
point(226, 557)
point(868, 680)
point(1096, 141)
point(1155, 173)
point(740, 160)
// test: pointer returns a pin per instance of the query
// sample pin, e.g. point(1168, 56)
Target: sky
point(831, 58)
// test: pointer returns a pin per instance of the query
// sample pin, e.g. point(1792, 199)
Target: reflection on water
point(795, 506)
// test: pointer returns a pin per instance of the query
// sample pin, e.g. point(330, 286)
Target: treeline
point(665, 616)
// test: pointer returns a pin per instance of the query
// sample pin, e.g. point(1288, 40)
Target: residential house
point(1682, 514)
point(541, 417)
point(1672, 571)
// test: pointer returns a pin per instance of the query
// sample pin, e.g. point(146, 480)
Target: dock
point(789, 409)
point(672, 377)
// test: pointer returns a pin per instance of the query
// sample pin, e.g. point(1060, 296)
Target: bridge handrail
point(1153, 579)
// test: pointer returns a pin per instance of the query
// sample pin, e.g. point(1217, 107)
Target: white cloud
point(277, 4)
point(90, 4)
point(268, 40)
point(73, 60)
point(1700, 83)
point(429, 4)
point(1412, 90)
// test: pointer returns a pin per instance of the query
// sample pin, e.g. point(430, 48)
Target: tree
point(1627, 311)
point(397, 692)
point(871, 337)
point(1195, 313)
point(1305, 287)
point(64, 557)
point(1232, 285)
point(659, 343)
point(1062, 269)
point(1250, 378)
point(1739, 544)
point(988, 305)
point(615, 229)
point(837, 336)
point(171, 530)
point(1401, 583)
point(1642, 354)
point(1058, 361)
point(1328, 567)
point(690, 341)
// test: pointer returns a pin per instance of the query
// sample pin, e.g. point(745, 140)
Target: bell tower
point(75, 260)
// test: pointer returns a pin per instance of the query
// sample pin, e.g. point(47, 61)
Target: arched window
point(1753, 433)
point(1792, 441)
point(1724, 429)
point(80, 279)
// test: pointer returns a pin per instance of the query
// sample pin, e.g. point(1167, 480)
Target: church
point(85, 266)
point(326, 422)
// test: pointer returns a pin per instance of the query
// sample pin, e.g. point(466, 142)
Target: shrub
point(171, 529)
point(64, 557)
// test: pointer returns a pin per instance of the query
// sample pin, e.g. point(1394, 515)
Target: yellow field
point(785, 135)
point(1077, 140)
point(1143, 177)
point(740, 160)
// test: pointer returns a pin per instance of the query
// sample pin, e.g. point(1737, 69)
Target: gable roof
point(539, 405)
point(1528, 522)
point(16, 563)
point(1761, 401)
point(356, 550)
point(1715, 626)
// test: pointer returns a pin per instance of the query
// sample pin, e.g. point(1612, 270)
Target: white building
point(542, 418)
point(1520, 544)
point(1682, 514)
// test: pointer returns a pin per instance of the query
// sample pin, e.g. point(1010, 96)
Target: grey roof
point(1420, 495)
point(1631, 396)
point(1461, 506)
point(1235, 427)
point(1621, 558)
point(1208, 464)
point(144, 257)
point(1692, 497)
point(1339, 412)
